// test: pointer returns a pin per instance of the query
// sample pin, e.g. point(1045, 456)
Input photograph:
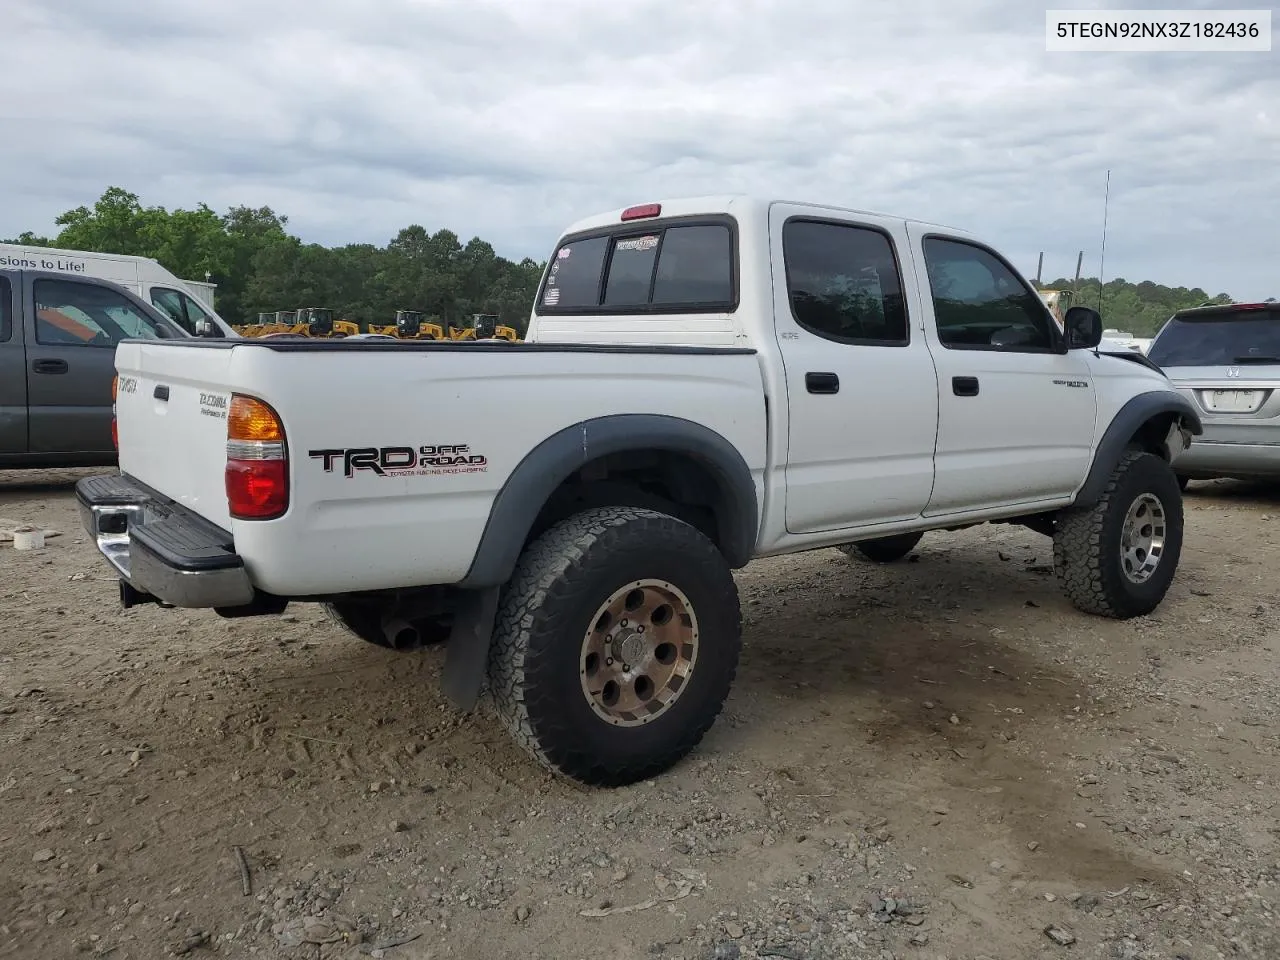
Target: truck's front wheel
point(616, 642)
point(1118, 557)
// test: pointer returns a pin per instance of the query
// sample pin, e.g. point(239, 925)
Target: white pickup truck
point(704, 382)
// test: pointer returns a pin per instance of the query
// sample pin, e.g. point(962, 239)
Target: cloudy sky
point(508, 119)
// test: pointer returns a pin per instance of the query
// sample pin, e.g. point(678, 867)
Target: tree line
point(260, 267)
point(1137, 308)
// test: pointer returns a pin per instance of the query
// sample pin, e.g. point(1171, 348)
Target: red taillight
point(257, 489)
point(642, 212)
point(115, 434)
point(257, 474)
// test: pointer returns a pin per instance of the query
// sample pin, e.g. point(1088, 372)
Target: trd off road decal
point(425, 461)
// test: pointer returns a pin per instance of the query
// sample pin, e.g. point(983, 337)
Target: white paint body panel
point(894, 450)
point(369, 532)
point(1026, 438)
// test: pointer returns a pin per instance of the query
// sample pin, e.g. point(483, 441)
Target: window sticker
point(638, 243)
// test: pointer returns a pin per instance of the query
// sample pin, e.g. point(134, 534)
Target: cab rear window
point(675, 267)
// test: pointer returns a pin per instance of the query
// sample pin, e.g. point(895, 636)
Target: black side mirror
point(1083, 328)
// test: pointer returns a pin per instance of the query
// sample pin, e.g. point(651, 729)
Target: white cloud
point(511, 118)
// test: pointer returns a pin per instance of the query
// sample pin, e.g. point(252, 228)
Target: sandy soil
point(938, 759)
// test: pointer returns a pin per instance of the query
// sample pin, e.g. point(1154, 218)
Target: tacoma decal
point(214, 405)
point(426, 461)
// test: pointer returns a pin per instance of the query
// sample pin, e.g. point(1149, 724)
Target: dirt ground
point(936, 759)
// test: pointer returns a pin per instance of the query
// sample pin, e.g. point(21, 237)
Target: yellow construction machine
point(254, 329)
point(319, 322)
point(282, 321)
point(484, 326)
point(412, 325)
point(1058, 302)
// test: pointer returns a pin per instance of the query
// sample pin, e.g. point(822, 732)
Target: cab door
point(1016, 408)
point(13, 374)
point(862, 394)
point(72, 328)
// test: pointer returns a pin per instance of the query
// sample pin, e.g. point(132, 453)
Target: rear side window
point(6, 309)
point(1219, 339)
point(672, 268)
point(843, 282)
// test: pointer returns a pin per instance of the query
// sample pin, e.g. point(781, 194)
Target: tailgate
point(171, 412)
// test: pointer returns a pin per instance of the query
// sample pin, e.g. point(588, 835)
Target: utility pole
point(1039, 268)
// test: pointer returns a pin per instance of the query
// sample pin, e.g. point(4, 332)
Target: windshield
point(1221, 339)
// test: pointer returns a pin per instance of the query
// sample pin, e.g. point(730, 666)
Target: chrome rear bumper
point(160, 550)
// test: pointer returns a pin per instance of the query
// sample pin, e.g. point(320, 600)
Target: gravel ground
point(936, 759)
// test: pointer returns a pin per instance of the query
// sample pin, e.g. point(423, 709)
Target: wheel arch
point(1142, 423)
point(561, 458)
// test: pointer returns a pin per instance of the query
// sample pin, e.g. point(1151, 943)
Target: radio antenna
point(1106, 203)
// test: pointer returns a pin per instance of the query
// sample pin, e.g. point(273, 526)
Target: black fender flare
point(554, 460)
point(1124, 426)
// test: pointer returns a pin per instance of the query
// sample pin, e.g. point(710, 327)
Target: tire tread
point(1079, 553)
point(546, 573)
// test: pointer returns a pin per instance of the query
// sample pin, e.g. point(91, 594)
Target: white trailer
point(186, 302)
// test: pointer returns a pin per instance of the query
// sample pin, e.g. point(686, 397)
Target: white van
point(186, 302)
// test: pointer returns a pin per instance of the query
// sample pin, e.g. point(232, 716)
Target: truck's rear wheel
point(616, 642)
point(1118, 557)
point(883, 549)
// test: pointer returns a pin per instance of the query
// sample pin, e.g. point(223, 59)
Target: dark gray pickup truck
point(58, 336)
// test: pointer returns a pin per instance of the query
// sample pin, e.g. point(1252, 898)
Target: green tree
point(29, 239)
point(1138, 308)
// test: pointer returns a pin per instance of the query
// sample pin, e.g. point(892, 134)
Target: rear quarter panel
point(349, 530)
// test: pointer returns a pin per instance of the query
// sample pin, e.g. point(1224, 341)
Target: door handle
point(49, 366)
point(161, 392)
point(964, 386)
point(822, 383)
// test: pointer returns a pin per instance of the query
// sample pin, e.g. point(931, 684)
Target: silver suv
point(1226, 360)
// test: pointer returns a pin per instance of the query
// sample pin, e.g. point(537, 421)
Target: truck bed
point(471, 412)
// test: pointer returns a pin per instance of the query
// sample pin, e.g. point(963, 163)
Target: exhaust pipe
point(400, 634)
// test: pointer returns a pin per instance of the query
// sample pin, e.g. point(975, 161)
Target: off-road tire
point(545, 611)
point(883, 549)
point(1087, 542)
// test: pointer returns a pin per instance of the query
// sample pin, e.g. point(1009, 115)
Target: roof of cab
point(737, 204)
